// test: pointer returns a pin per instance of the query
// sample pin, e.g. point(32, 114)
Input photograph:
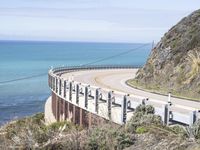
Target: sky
point(91, 20)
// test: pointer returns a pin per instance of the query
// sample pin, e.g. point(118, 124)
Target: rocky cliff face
point(174, 64)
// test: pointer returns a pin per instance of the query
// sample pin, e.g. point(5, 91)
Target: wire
point(113, 56)
point(24, 78)
point(90, 63)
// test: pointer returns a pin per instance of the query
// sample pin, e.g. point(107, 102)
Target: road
point(115, 79)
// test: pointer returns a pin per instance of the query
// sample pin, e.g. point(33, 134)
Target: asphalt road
point(115, 80)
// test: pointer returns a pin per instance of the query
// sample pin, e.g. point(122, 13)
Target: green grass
point(141, 130)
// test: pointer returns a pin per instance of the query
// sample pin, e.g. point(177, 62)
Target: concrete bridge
point(89, 94)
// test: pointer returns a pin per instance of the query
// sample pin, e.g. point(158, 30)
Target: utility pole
point(152, 44)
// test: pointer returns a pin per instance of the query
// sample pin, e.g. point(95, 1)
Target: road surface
point(115, 79)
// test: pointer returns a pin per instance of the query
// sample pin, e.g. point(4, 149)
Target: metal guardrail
point(90, 67)
point(131, 102)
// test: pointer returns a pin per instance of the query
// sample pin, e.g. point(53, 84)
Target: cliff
point(174, 63)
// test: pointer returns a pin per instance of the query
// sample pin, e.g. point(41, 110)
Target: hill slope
point(174, 64)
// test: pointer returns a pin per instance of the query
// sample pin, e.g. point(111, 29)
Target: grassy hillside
point(174, 64)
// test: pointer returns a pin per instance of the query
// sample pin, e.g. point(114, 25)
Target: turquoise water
point(22, 59)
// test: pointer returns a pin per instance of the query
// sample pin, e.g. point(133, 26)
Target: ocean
point(19, 59)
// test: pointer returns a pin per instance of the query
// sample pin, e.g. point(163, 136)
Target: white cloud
point(88, 20)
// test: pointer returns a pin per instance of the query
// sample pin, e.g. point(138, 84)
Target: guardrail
point(112, 105)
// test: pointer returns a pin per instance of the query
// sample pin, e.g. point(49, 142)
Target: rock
point(174, 63)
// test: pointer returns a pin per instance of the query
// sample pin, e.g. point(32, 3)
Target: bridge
point(88, 94)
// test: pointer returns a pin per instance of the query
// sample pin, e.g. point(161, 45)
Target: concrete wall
point(64, 110)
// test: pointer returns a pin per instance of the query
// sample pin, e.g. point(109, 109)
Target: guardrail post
point(53, 83)
point(86, 96)
point(60, 87)
point(166, 114)
point(124, 109)
point(109, 104)
point(49, 80)
point(65, 87)
point(70, 91)
point(97, 101)
point(56, 85)
point(193, 116)
point(77, 94)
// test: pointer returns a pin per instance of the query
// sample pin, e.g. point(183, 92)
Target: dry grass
point(194, 59)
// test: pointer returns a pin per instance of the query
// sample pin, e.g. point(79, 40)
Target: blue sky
point(91, 20)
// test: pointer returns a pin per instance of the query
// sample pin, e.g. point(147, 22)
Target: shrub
point(145, 109)
point(195, 130)
point(108, 138)
point(141, 130)
point(58, 125)
point(178, 129)
point(144, 115)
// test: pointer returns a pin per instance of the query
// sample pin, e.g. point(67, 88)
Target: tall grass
point(194, 59)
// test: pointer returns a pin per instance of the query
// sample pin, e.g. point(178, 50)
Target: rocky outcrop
point(174, 63)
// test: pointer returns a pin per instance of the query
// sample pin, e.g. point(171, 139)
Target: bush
point(145, 109)
point(195, 129)
point(144, 115)
point(141, 130)
point(57, 125)
point(179, 130)
point(108, 138)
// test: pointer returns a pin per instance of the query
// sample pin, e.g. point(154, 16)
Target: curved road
point(115, 79)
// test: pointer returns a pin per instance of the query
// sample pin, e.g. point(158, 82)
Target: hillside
point(174, 63)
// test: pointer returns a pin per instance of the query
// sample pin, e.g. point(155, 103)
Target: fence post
point(124, 109)
point(97, 101)
point(77, 94)
point(86, 96)
point(109, 104)
point(60, 86)
point(64, 91)
point(70, 91)
point(166, 114)
point(51, 82)
point(193, 116)
point(56, 85)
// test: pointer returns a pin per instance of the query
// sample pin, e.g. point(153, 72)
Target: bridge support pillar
point(124, 109)
point(97, 101)
point(109, 104)
point(64, 110)
point(77, 94)
point(81, 117)
point(74, 114)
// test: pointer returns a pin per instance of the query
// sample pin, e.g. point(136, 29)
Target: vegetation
point(174, 63)
point(145, 126)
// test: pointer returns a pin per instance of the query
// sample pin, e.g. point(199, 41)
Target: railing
point(100, 101)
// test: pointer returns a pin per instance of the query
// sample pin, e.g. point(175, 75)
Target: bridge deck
point(115, 100)
point(115, 80)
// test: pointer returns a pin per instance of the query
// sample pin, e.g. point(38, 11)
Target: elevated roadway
point(115, 79)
